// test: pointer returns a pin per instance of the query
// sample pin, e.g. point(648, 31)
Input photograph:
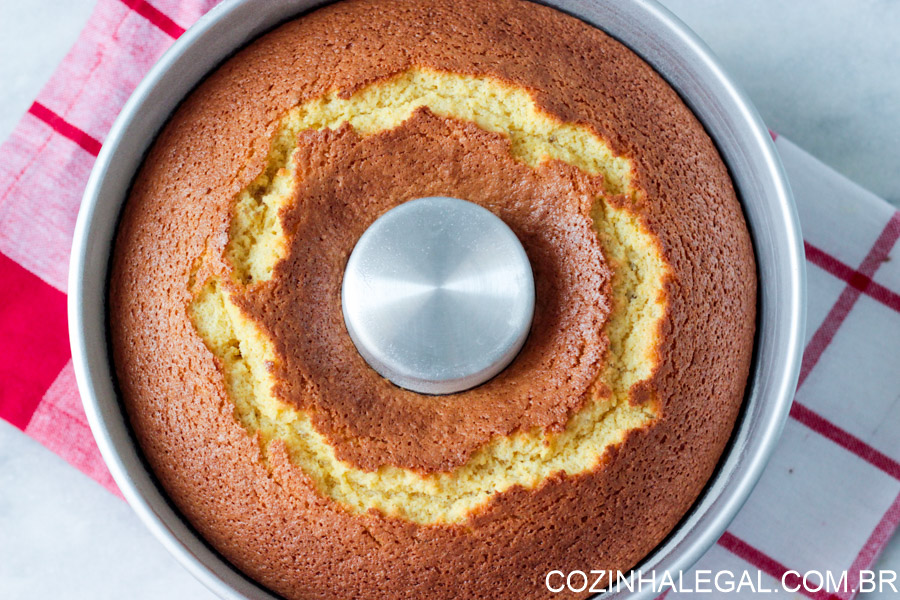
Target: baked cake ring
point(275, 439)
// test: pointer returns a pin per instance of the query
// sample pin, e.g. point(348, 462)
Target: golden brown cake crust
point(278, 529)
point(348, 182)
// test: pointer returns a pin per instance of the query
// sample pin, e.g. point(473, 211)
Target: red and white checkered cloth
point(830, 498)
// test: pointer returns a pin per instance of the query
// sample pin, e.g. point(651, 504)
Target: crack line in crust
point(256, 242)
point(526, 458)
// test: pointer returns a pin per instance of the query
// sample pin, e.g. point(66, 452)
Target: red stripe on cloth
point(60, 424)
point(872, 548)
point(774, 135)
point(64, 128)
point(155, 16)
point(863, 283)
point(845, 439)
point(767, 565)
point(826, 331)
point(34, 345)
point(821, 339)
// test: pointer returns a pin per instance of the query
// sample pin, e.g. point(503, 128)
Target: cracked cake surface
point(299, 463)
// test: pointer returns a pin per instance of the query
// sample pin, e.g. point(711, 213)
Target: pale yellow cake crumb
point(257, 243)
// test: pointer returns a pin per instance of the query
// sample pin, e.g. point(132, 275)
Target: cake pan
point(642, 25)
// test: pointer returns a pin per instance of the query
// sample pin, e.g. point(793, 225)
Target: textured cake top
point(269, 431)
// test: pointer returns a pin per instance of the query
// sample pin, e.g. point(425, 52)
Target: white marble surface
point(825, 73)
